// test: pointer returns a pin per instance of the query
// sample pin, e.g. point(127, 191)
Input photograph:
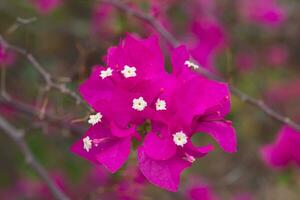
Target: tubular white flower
point(139, 104)
point(189, 158)
point(106, 73)
point(191, 65)
point(180, 138)
point(94, 119)
point(161, 105)
point(129, 71)
point(87, 143)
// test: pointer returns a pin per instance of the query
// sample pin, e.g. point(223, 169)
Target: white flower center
point(94, 119)
point(87, 143)
point(180, 138)
point(106, 73)
point(139, 104)
point(161, 104)
point(129, 71)
point(191, 65)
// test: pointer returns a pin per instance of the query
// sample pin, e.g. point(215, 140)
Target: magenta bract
point(133, 88)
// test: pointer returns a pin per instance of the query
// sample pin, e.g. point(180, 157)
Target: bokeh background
point(254, 44)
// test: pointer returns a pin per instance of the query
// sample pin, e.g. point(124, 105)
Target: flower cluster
point(46, 6)
point(284, 150)
point(267, 13)
point(136, 99)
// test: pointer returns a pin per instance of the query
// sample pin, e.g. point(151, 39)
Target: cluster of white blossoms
point(180, 138)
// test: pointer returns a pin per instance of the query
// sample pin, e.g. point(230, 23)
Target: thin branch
point(147, 18)
point(17, 137)
point(265, 108)
point(49, 80)
point(32, 112)
point(173, 42)
point(20, 21)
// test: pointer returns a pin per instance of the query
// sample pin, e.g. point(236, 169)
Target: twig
point(20, 21)
point(17, 137)
point(31, 111)
point(147, 18)
point(173, 42)
point(50, 82)
point(265, 108)
point(3, 82)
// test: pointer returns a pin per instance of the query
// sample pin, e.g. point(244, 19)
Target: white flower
point(189, 158)
point(139, 104)
point(191, 64)
point(106, 73)
point(94, 119)
point(87, 143)
point(129, 71)
point(160, 105)
point(180, 138)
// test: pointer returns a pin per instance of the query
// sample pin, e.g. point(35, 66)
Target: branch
point(17, 137)
point(173, 42)
point(265, 108)
point(147, 18)
point(20, 21)
point(49, 80)
point(31, 111)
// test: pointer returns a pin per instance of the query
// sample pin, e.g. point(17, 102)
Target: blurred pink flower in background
point(284, 92)
point(245, 61)
point(27, 188)
point(210, 41)
point(277, 55)
point(284, 150)
point(243, 196)
point(198, 190)
point(159, 9)
point(96, 178)
point(262, 12)
point(132, 184)
point(46, 6)
point(7, 57)
point(103, 22)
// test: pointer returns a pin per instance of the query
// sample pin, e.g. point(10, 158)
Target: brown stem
point(17, 136)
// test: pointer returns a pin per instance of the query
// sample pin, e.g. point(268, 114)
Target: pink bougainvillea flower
point(267, 12)
point(284, 150)
point(193, 107)
point(134, 88)
point(200, 191)
point(105, 145)
point(46, 6)
point(211, 40)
